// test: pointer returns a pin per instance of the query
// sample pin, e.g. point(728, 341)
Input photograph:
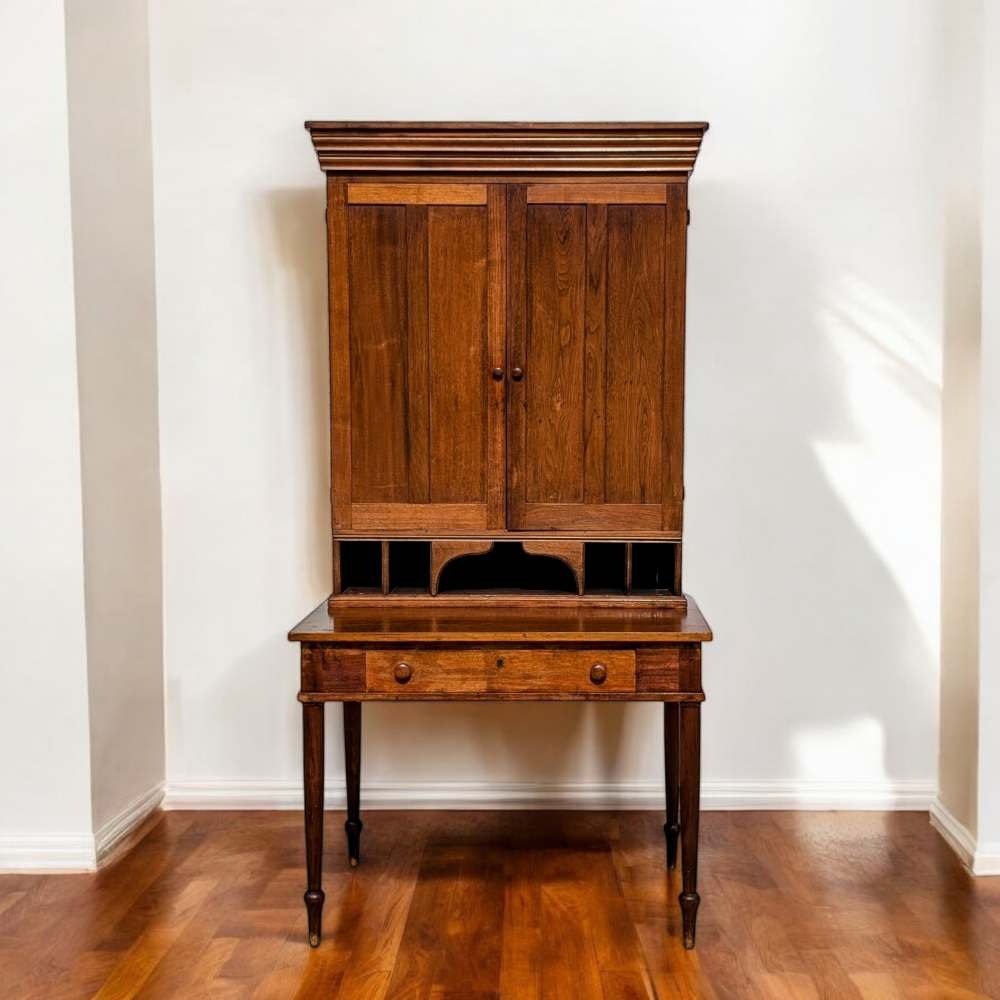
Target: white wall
point(816, 306)
point(112, 181)
point(45, 778)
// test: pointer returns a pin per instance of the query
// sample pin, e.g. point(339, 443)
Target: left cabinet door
point(417, 275)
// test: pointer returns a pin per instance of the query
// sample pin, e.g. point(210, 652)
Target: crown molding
point(498, 148)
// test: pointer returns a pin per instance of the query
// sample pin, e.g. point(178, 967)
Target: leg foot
point(314, 908)
point(689, 914)
point(354, 828)
point(352, 768)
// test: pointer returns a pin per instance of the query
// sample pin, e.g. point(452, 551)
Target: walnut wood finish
point(352, 770)
point(515, 905)
point(506, 363)
point(503, 623)
point(499, 148)
point(501, 671)
point(313, 774)
point(443, 552)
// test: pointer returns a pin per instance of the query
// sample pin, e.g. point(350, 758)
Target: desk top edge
point(395, 625)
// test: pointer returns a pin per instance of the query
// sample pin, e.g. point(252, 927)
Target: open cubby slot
point(653, 567)
point(360, 567)
point(604, 568)
point(506, 567)
point(409, 567)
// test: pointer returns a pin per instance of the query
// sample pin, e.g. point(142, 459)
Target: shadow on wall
point(812, 514)
point(811, 498)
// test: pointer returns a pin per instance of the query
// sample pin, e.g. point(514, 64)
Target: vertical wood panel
point(496, 316)
point(456, 257)
point(516, 351)
point(556, 250)
point(340, 354)
point(673, 364)
point(417, 406)
point(635, 353)
point(378, 353)
point(594, 360)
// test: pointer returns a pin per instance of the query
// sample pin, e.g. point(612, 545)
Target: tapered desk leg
point(690, 713)
point(671, 770)
point(312, 774)
point(352, 767)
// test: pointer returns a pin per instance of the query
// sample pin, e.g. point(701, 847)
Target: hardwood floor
point(466, 906)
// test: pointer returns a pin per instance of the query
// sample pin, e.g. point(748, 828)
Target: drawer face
point(523, 671)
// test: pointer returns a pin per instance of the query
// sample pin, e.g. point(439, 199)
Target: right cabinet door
point(596, 357)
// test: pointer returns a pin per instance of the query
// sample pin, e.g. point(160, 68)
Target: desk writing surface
point(498, 624)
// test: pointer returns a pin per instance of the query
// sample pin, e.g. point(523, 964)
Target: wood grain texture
point(332, 669)
point(595, 348)
point(445, 904)
point(675, 290)
point(635, 336)
point(498, 148)
point(496, 322)
point(417, 518)
point(556, 283)
point(360, 626)
point(417, 359)
point(442, 553)
point(499, 671)
point(597, 194)
point(456, 260)
point(378, 322)
point(416, 194)
point(569, 552)
point(340, 354)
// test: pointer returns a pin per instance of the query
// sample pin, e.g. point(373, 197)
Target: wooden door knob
point(402, 672)
point(497, 374)
point(517, 374)
point(598, 673)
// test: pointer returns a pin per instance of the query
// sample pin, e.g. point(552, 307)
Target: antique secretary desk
point(507, 434)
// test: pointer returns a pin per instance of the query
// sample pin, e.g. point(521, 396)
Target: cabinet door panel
point(415, 332)
point(596, 323)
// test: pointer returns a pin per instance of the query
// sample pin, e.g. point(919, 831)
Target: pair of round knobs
point(515, 373)
point(403, 672)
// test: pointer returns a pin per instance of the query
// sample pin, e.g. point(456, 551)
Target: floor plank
point(516, 906)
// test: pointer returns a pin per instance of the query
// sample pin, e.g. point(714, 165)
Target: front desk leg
point(690, 713)
point(671, 771)
point(312, 775)
point(352, 768)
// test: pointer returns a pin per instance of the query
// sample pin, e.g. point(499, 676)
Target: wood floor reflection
point(467, 906)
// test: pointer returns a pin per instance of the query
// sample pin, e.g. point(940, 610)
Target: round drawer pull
point(402, 672)
point(598, 673)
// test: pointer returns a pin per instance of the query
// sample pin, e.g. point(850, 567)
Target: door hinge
point(689, 216)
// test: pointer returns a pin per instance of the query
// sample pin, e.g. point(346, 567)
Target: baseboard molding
point(744, 795)
point(979, 859)
point(120, 827)
point(41, 852)
point(72, 852)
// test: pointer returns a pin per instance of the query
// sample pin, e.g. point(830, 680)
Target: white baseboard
point(979, 859)
point(76, 851)
point(112, 833)
point(783, 794)
point(41, 852)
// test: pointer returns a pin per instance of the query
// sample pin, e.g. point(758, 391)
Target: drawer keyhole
point(402, 672)
point(499, 663)
point(598, 673)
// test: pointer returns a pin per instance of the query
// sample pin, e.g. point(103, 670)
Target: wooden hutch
point(507, 436)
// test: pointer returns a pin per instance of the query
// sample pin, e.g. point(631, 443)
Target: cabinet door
point(596, 325)
point(416, 326)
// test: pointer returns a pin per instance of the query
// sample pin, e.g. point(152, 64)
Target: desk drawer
point(525, 671)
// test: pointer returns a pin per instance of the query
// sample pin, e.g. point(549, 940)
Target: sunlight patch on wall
point(888, 473)
point(847, 751)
